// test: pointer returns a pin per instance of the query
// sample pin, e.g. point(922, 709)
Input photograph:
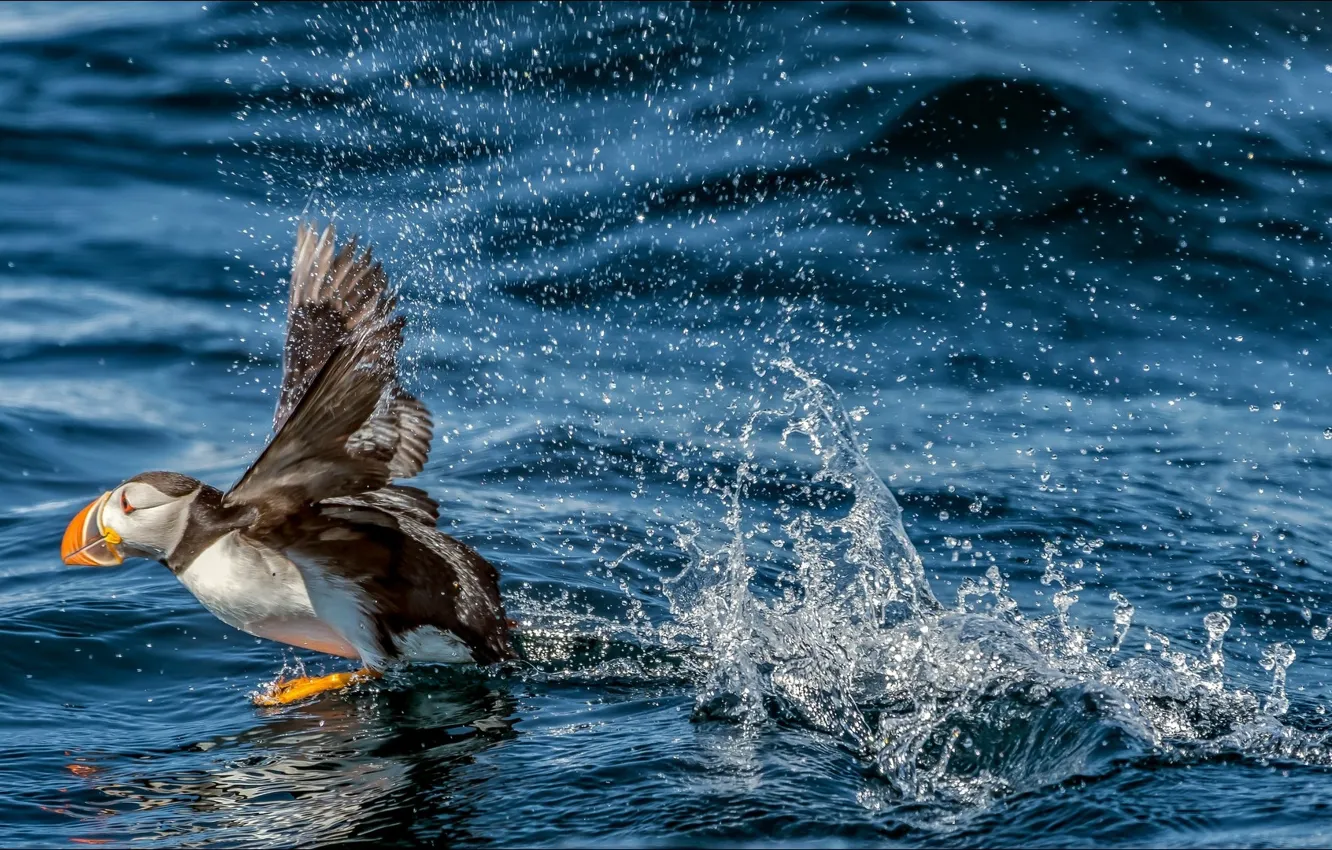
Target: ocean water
point(894, 424)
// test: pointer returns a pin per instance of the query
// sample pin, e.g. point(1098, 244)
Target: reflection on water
point(346, 767)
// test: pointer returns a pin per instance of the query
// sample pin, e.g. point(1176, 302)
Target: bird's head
point(145, 517)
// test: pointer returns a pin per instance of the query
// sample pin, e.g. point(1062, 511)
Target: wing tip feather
point(344, 277)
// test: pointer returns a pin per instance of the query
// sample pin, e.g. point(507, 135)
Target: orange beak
point(87, 543)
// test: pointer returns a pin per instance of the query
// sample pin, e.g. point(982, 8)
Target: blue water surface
point(698, 295)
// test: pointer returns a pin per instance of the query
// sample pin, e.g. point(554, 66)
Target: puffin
point(317, 545)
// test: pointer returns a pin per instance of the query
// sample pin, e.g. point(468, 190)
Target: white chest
point(263, 593)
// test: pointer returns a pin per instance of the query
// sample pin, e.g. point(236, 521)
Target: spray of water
point(947, 705)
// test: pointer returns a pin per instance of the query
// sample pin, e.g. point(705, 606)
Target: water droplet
point(1217, 624)
point(1321, 632)
point(1228, 601)
point(1282, 654)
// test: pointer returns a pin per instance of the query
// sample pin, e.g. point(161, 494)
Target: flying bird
point(316, 546)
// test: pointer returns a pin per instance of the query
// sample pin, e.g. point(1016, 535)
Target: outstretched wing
point(344, 427)
point(336, 292)
point(326, 447)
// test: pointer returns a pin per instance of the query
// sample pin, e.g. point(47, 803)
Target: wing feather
point(397, 499)
point(314, 456)
point(334, 293)
point(414, 429)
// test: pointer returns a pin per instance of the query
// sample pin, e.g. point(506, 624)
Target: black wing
point(412, 575)
point(327, 447)
point(335, 293)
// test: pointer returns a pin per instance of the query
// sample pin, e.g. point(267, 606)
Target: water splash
point(1217, 624)
point(811, 609)
point(1123, 619)
point(1277, 658)
point(953, 705)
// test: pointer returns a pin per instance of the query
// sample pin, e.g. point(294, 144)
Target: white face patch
point(150, 523)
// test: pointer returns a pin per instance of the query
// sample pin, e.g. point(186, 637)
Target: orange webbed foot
point(288, 691)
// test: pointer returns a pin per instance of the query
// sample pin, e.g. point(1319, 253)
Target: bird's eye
point(125, 506)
